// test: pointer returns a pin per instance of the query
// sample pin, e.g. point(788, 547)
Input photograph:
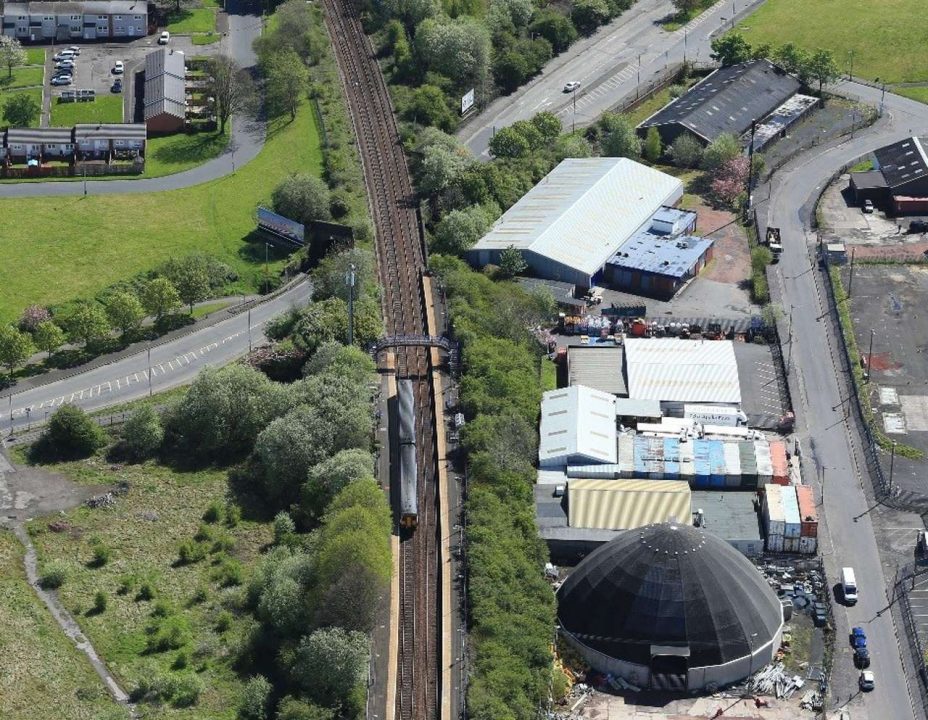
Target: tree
point(822, 68)
point(652, 145)
point(440, 167)
point(620, 139)
point(329, 477)
point(230, 87)
point(685, 7)
point(459, 230)
point(721, 150)
point(11, 53)
point(556, 28)
point(48, 337)
point(730, 180)
point(287, 80)
point(302, 198)
point(159, 297)
point(192, 283)
point(548, 124)
point(329, 275)
point(509, 143)
point(428, 106)
point(587, 15)
point(330, 663)
point(291, 708)
point(572, 146)
point(346, 361)
point(686, 151)
point(510, 69)
point(459, 49)
point(125, 311)
point(511, 262)
point(86, 323)
point(142, 433)
point(793, 59)
point(412, 12)
point(15, 347)
point(327, 321)
point(731, 49)
point(33, 316)
point(21, 110)
point(255, 699)
point(71, 434)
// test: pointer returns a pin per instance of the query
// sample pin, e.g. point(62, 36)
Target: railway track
point(401, 262)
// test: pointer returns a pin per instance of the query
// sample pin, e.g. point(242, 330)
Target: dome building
point(671, 607)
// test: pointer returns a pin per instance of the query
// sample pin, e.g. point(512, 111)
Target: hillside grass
point(914, 93)
point(61, 248)
point(170, 154)
point(104, 109)
point(42, 674)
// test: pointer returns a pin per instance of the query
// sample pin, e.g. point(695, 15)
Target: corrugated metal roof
point(674, 370)
point(626, 504)
point(577, 421)
point(597, 367)
point(634, 407)
point(583, 210)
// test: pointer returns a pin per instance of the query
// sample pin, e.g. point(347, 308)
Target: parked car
point(65, 55)
point(119, 67)
point(867, 681)
point(69, 64)
point(572, 85)
point(868, 206)
point(164, 38)
point(858, 638)
point(861, 658)
point(117, 86)
point(918, 226)
point(74, 49)
point(820, 613)
point(61, 80)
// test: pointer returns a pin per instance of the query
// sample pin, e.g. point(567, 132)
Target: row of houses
point(64, 21)
point(81, 142)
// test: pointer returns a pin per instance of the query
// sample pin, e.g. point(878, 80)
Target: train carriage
point(408, 464)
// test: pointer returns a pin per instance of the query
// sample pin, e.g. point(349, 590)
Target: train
point(408, 463)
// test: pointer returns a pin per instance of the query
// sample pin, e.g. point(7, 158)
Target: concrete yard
point(763, 388)
point(603, 706)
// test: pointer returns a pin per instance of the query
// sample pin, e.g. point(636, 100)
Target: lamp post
point(892, 462)
point(574, 122)
point(638, 85)
point(349, 281)
point(149, 372)
point(870, 355)
point(266, 274)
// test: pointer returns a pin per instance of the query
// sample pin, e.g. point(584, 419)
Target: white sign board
point(467, 102)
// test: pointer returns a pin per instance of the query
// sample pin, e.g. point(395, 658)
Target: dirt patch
point(907, 252)
point(883, 361)
point(731, 258)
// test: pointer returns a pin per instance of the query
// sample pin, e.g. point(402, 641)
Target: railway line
point(401, 261)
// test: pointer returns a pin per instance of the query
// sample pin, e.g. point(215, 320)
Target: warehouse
point(724, 102)
point(676, 371)
point(626, 504)
point(899, 181)
point(597, 367)
point(572, 222)
point(577, 427)
point(671, 607)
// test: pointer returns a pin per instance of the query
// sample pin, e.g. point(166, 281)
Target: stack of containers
point(716, 463)
point(655, 458)
point(808, 515)
point(792, 528)
point(748, 464)
point(641, 451)
point(700, 463)
point(687, 463)
point(626, 456)
point(732, 465)
point(778, 460)
point(764, 465)
point(774, 517)
point(671, 458)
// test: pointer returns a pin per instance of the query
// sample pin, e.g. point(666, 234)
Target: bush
point(284, 528)
point(229, 573)
point(101, 556)
point(170, 633)
point(685, 151)
point(54, 575)
point(213, 513)
point(302, 198)
point(70, 435)
point(233, 515)
point(99, 602)
point(143, 434)
point(146, 592)
point(255, 699)
point(224, 621)
point(189, 552)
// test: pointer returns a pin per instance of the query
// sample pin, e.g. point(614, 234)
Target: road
point(174, 363)
point(609, 65)
point(823, 387)
point(246, 141)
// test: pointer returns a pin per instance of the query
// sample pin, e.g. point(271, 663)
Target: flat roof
point(631, 407)
point(871, 179)
point(626, 504)
point(673, 256)
point(676, 370)
point(563, 292)
point(577, 421)
point(779, 120)
point(727, 100)
point(903, 161)
point(730, 514)
point(583, 210)
point(597, 367)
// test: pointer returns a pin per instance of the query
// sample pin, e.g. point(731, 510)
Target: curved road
point(245, 143)
point(823, 386)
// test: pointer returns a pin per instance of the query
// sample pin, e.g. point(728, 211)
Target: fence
point(76, 170)
point(905, 582)
point(667, 77)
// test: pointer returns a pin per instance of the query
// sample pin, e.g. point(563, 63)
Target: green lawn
point(193, 20)
point(105, 109)
point(35, 56)
point(655, 103)
point(42, 674)
point(175, 153)
point(204, 310)
point(889, 39)
point(204, 38)
point(22, 77)
point(915, 93)
point(36, 94)
point(142, 532)
point(88, 243)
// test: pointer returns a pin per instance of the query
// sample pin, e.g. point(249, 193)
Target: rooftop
point(629, 407)
point(165, 89)
point(728, 100)
point(904, 161)
point(780, 119)
point(563, 292)
point(577, 422)
point(90, 7)
point(600, 368)
point(117, 131)
point(661, 254)
point(868, 179)
point(39, 135)
point(730, 515)
point(675, 370)
point(626, 504)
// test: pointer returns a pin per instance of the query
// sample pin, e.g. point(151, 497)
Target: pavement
point(611, 65)
point(173, 363)
point(246, 140)
point(822, 383)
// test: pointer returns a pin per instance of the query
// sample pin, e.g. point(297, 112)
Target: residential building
point(165, 103)
point(70, 21)
point(81, 142)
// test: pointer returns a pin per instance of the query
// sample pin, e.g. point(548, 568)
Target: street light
point(349, 281)
point(892, 462)
point(882, 95)
point(870, 356)
point(638, 85)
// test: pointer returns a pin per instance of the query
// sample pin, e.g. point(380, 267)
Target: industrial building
point(626, 504)
point(562, 292)
point(165, 103)
point(726, 101)
point(69, 21)
point(577, 427)
point(572, 222)
point(899, 180)
point(671, 607)
point(599, 367)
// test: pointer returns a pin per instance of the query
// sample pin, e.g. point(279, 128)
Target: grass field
point(22, 77)
point(42, 674)
point(104, 109)
point(654, 103)
point(175, 153)
point(193, 20)
point(887, 39)
point(915, 93)
point(142, 532)
point(36, 94)
point(35, 56)
point(65, 247)
point(204, 38)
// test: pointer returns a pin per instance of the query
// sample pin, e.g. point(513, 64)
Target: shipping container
point(774, 515)
point(808, 513)
point(732, 465)
point(808, 545)
point(791, 544)
point(671, 459)
point(594, 472)
point(774, 543)
point(780, 465)
point(701, 463)
point(627, 455)
point(793, 526)
point(748, 464)
point(687, 464)
point(716, 463)
point(641, 454)
point(764, 466)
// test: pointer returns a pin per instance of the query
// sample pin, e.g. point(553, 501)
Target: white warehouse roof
point(674, 370)
point(577, 424)
point(583, 210)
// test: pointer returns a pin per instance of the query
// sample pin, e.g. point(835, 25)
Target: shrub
point(200, 595)
point(255, 698)
point(143, 433)
point(101, 556)
point(70, 434)
point(284, 528)
point(233, 515)
point(204, 533)
point(686, 151)
point(99, 602)
point(162, 609)
point(229, 573)
point(213, 513)
point(126, 585)
point(170, 633)
point(224, 621)
point(54, 575)
point(146, 591)
point(189, 552)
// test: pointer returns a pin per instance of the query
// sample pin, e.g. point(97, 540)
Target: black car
point(918, 226)
point(117, 86)
point(861, 658)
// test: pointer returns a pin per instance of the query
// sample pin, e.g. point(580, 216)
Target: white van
point(849, 586)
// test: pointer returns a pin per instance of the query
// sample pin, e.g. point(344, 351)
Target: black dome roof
point(669, 584)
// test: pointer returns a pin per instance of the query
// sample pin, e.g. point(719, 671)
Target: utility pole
point(870, 356)
point(892, 461)
point(638, 85)
point(249, 330)
point(266, 276)
point(751, 162)
point(349, 281)
point(149, 372)
point(850, 72)
point(11, 413)
point(573, 128)
point(850, 282)
point(684, 45)
point(789, 338)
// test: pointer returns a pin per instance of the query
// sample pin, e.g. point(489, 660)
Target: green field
point(42, 674)
point(204, 38)
point(35, 56)
point(143, 532)
point(36, 94)
point(889, 39)
point(175, 153)
point(193, 20)
point(104, 109)
point(915, 93)
point(22, 77)
point(654, 103)
point(87, 243)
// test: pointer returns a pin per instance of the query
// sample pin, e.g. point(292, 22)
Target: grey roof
point(904, 161)
point(678, 370)
point(38, 135)
point(672, 256)
point(165, 91)
point(630, 407)
point(597, 367)
point(110, 131)
point(563, 292)
point(731, 515)
point(727, 100)
point(91, 7)
point(868, 179)
point(669, 584)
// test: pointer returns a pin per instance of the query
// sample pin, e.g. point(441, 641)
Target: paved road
point(822, 389)
point(246, 142)
point(173, 363)
point(607, 64)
